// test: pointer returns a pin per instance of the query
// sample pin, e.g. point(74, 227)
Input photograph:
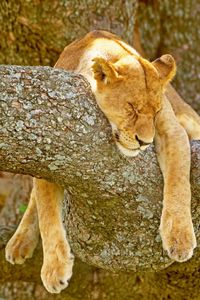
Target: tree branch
point(52, 128)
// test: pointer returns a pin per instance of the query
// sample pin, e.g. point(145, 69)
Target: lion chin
point(126, 151)
point(130, 152)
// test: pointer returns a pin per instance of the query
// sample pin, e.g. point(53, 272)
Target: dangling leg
point(58, 260)
point(25, 239)
point(173, 151)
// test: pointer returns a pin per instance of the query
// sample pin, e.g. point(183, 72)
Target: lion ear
point(166, 68)
point(104, 71)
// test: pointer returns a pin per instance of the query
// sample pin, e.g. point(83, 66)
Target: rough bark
point(175, 282)
point(178, 281)
point(35, 32)
point(51, 127)
point(172, 27)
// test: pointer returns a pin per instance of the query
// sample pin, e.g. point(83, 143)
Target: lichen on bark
point(52, 128)
point(35, 32)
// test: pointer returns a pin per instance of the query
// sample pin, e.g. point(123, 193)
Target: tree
point(56, 113)
point(178, 274)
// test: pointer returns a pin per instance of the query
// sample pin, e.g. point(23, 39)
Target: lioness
point(130, 91)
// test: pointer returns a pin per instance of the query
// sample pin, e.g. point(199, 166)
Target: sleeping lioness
point(131, 92)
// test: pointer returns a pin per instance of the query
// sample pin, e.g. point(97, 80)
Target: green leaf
point(23, 208)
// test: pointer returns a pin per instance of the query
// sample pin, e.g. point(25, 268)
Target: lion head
point(130, 93)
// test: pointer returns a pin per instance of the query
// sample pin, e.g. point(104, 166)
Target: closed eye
point(132, 107)
point(132, 112)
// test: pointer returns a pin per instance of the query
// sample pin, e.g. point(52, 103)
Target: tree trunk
point(35, 32)
point(172, 27)
point(49, 120)
point(178, 281)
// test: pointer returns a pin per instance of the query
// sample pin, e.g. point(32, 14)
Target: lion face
point(130, 94)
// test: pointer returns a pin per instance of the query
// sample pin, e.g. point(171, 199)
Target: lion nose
point(141, 143)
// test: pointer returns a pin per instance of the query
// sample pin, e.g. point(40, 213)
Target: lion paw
point(19, 248)
point(57, 268)
point(178, 238)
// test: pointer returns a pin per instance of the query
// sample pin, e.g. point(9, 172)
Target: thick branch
point(51, 127)
point(178, 279)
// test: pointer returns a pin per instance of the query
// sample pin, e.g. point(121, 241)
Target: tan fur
point(130, 91)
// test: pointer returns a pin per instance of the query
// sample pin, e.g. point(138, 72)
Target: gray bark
point(52, 128)
point(172, 27)
point(35, 32)
point(178, 281)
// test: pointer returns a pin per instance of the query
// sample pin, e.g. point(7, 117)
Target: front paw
point(20, 247)
point(57, 267)
point(177, 235)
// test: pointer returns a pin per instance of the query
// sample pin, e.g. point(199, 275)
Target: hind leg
point(24, 241)
point(57, 258)
point(186, 116)
point(191, 125)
